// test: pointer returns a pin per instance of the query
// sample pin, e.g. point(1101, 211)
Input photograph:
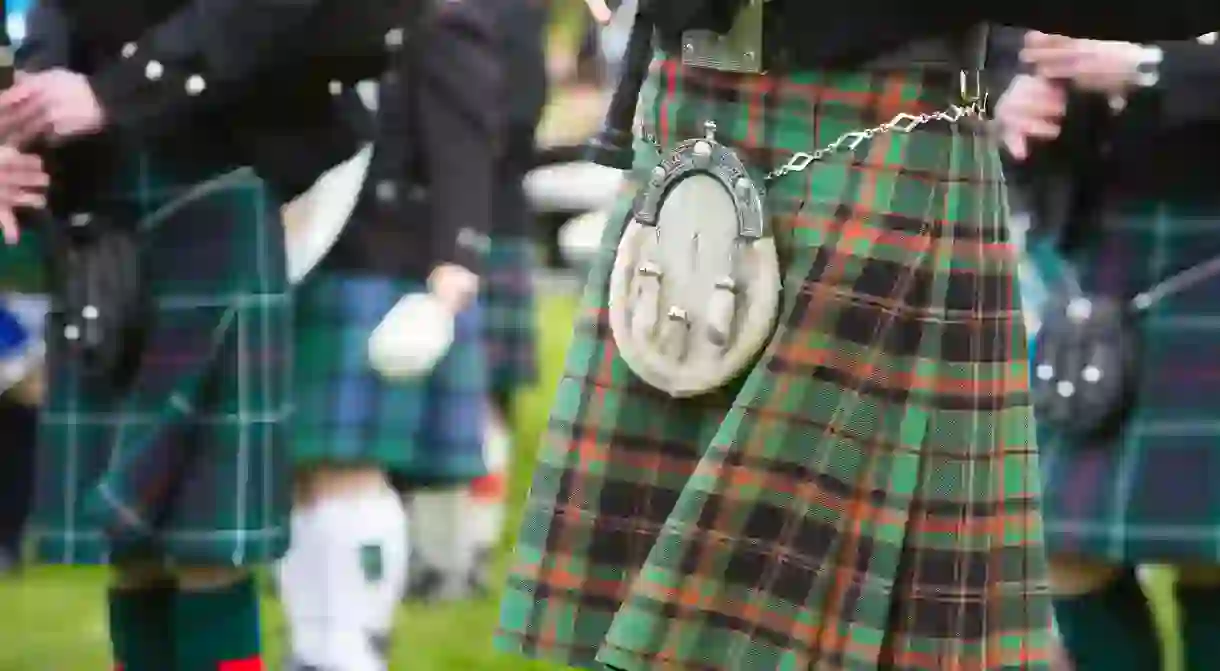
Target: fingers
point(23, 115)
point(8, 226)
point(1015, 143)
point(600, 11)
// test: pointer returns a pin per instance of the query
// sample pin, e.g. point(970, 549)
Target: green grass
point(54, 618)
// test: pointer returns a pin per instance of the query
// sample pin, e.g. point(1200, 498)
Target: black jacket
point(428, 199)
point(1160, 145)
point(208, 68)
point(841, 34)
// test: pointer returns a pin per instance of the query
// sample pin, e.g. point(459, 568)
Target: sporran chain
point(973, 104)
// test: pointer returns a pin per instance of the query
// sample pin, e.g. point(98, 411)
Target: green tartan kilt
point(509, 331)
point(428, 432)
point(1148, 493)
point(867, 496)
point(23, 266)
point(186, 463)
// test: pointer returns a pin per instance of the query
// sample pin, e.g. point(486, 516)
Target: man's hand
point(1090, 65)
point(23, 183)
point(600, 10)
point(56, 103)
point(1030, 108)
point(454, 285)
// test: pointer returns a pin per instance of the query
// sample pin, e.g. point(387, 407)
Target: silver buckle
point(739, 50)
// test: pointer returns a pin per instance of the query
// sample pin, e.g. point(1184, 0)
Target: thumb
point(1016, 144)
point(8, 226)
point(600, 10)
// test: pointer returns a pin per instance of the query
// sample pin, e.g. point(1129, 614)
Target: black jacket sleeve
point(1087, 120)
point(200, 54)
point(1136, 22)
point(460, 119)
point(46, 43)
point(1186, 92)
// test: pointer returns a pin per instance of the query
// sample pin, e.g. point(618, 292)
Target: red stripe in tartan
point(870, 502)
point(251, 664)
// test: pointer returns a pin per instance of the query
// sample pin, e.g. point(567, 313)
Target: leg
point(345, 573)
point(1198, 593)
point(17, 425)
point(1104, 618)
point(216, 621)
point(141, 603)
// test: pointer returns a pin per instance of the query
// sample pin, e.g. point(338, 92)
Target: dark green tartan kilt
point(509, 329)
point(187, 464)
point(428, 432)
point(23, 266)
point(1148, 493)
point(867, 496)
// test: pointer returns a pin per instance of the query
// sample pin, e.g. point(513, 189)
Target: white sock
point(441, 537)
point(352, 566)
point(486, 516)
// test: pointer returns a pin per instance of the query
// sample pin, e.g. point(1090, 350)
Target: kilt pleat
point(509, 331)
point(185, 462)
point(1146, 493)
point(428, 431)
point(865, 498)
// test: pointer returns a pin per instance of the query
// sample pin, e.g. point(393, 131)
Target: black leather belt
point(966, 51)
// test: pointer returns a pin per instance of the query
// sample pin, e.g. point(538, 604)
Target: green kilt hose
point(427, 431)
point(867, 496)
point(507, 293)
point(186, 463)
point(1148, 493)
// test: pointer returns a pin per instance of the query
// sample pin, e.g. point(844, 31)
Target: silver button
point(80, 219)
point(472, 239)
point(335, 87)
point(128, 50)
point(153, 71)
point(386, 190)
point(72, 332)
point(195, 85)
point(89, 312)
point(394, 38)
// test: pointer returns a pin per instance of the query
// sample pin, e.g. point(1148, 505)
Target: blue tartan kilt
point(1147, 493)
point(427, 431)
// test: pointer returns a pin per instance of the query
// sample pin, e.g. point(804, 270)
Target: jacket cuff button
point(128, 50)
point(153, 71)
point(195, 85)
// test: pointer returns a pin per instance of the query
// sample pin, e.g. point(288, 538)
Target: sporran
point(695, 290)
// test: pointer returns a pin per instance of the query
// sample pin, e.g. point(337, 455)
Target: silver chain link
point(901, 123)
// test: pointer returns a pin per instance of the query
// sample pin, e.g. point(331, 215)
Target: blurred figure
point(1132, 130)
point(421, 231)
point(508, 293)
point(161, 443)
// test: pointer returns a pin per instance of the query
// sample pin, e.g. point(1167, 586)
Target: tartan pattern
point(1148, 494)
point(508, 314)
point(187, 463)
point(428, 431)
point(23, 266)
point(867, 497)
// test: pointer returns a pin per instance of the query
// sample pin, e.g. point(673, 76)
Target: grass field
point(53, 618)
